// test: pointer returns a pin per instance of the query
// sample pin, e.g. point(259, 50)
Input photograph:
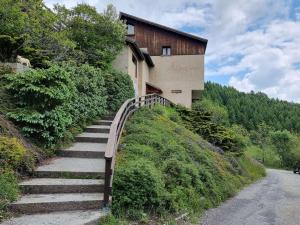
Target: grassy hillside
point(164, 169)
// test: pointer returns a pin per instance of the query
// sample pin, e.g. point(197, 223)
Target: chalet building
point(162, 60)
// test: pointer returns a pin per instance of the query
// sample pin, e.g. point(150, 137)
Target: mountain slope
point(252, 109)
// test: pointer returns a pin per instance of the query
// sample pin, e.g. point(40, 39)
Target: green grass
point(271, 157)
point(165, 169)
point(9, 191)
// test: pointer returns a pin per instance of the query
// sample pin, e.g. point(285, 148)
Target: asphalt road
point(274, 200)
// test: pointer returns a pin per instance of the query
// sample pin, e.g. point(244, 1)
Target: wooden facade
point(154, 37)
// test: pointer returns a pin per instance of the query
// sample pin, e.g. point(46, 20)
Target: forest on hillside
point(270, 127)
point(252, 109)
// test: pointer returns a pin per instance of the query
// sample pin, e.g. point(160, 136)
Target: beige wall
point(124, 63)
point(184, 72)
point(143, 76)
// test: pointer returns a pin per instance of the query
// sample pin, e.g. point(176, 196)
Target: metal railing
point(115, 132)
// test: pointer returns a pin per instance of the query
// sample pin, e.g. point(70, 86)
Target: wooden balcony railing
point(115, 132)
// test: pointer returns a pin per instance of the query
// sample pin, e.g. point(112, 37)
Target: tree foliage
point(250, 110)
point(80, 34)
point(49, 101)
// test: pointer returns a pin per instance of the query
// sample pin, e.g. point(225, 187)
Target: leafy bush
point(12, 153)
point(201, 123)
point(284, 142)
point(164, 168)
point(52, 100)
point(8, 190)
point(218, 113)
point(137, 187)
point(89, 100)
point(119, 88)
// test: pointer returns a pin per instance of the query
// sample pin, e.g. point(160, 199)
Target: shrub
point(51, 101)
point(137, 187)
point(218, 113)
point(89, 100)
point(12, 153)
point(201, 123)
point(119, 88)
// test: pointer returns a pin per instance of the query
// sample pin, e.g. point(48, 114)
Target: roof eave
point(125, 15)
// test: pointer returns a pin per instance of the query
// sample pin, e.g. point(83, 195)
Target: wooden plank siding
point(154, 38)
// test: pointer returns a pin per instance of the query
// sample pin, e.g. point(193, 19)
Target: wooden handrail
point(115, 132)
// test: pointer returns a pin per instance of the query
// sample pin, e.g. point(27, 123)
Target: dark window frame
point(166, 51)
point(133, 30)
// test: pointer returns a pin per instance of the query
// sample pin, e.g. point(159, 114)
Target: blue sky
point(252, 44)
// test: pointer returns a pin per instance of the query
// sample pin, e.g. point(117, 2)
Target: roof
point(200, 39)
point(140, 53)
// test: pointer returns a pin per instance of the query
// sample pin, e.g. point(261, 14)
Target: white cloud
point(254, 42)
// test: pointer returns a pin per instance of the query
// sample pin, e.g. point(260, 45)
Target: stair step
point(97, 129)
point(103, 122)
point(43, 203)
point(52, 185)
point(92, 137)
point(108, 117)
point(65, 167)
point(86, 217)
point(84, 150)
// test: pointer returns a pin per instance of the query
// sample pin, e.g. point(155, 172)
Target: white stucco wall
point(184, 72)
point(124, 63)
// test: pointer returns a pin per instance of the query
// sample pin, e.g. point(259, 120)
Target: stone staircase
point(67, 189)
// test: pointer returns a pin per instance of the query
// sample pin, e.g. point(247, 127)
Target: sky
point(252, 44)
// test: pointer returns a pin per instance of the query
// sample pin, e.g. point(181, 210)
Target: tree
point(98, 36)
point(261, 137)
point(284, 143)
point(218, 113)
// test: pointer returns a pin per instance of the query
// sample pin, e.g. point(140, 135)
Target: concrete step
point(44, 203)
point(84, 150)
point(103, 122)
point(53, 185)
point(64, 167)
point(86, 217)
point(92, 137)
point(108, 117)
point(97, 129)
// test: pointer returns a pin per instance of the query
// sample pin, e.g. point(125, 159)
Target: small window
point(176, 91)
point(130, 29)
point(166, 50)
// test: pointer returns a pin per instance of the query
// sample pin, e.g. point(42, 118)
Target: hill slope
point(252, 109)
point(164, 169)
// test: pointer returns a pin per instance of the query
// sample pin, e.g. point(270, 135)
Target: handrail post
point(140, 103)
point(107, 181)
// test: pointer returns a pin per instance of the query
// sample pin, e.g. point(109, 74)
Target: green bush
point(137, 187)
point(51, 101)
point(218, 113)
point(119, 88)
point(8, 190)
point(201, 123)
point(12, 153)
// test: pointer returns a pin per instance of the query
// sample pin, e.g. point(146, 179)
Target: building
point(162, 60)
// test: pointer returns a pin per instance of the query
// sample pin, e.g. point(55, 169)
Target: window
point(130, 29)
point(166, 50)
point(176, 91)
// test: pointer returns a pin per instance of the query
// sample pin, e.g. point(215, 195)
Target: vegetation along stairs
point(74, 187)
point(67, 189)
